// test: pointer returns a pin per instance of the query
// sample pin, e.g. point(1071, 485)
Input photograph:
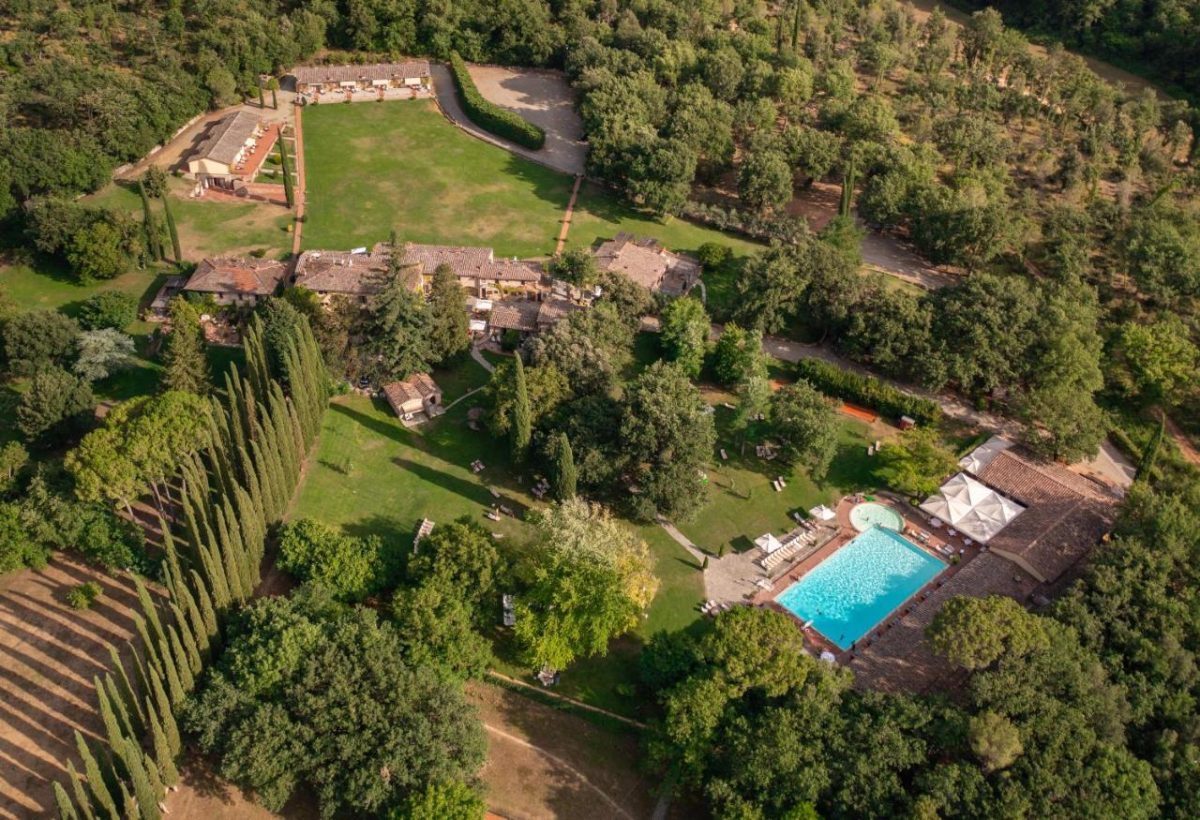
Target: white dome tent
point(972, 507)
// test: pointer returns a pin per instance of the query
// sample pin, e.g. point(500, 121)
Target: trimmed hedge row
point(867, 391)
point(489, 116)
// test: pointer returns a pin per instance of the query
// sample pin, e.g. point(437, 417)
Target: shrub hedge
point(489, 116)
point(867, 391)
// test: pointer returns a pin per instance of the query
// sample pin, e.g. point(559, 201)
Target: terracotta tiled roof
point(470, 263)
point(342, 272)
point(901, 659)
point(321, 74)
point(515, 314)
point(415, 388)
point(234, 275)
point(649, 264)
point(553, 309)
point(1066, 514)
point(227, 136)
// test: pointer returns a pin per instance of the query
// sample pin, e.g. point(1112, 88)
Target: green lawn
point(372, 168)
point(208, 227)
point(372, 475)
point(41, 287)
point(601, 214)
point(743, 505)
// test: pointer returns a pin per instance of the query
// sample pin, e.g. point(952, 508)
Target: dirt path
point(300, 192)
point(545, 763)
point(637, 724)
point(566, 225)
point(1182, 441)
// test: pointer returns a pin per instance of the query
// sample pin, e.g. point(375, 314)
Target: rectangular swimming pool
point(850, 592)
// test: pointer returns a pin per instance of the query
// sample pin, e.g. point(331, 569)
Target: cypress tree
point(270, 479)
point(257, 364)
point(162, 709)
point(153, 240)
point(262, 100)
point(66, 809)
point(82, 800)
point(522, 421)
point(229, 559)
point(253, 534)
point(114, 730)
point(170, 551)
point(565, 477)
point(131, 725)
point(254, 489)
point(156, 780)
point(208, 612)
point(149, 609)
point(196, 630)
point(171, 672)
point(274, 99)
point(297, 429)
point(192, 526)
point(103, 799)
point(164, 758)
point(125, 686)
point(217, 583)
point(131, 807)
point(187, 638)
point(166, 200)
point(285, 166)
point(847, 188)
point(147, 800)
point(150, 647)
point(248, 551)
point(282, 443)
point(182, 664)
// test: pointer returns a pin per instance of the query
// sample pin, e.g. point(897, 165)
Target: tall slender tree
point(565, 477)
point(171, 229)
point(185, 364)
point(150, 225)
point(102, 797)
point(522, 420)
point(82, 800)
point(285, 167)
point(66, 808)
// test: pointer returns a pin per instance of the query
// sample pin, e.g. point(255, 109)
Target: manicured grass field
point(742, 503)
point(206, 226)
point(371, 475)
point(374, 167)
point(39, 287)
point(601, 214)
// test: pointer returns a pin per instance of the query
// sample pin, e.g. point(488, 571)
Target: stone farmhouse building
point(237, 281)
point(230, 150)
point(416, 396)
point(356, 275)
point(648, 263)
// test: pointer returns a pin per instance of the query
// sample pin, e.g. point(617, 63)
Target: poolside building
point(1037, 520)
point(648, 263)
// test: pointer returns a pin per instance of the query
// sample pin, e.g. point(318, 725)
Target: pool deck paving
point(938, 543)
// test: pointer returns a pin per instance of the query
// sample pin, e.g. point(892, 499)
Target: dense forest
point(1157, 38)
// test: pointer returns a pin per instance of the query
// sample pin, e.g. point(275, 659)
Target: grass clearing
point(374, 167)
point(743, 504)
point(206, 226)
point(601, 214)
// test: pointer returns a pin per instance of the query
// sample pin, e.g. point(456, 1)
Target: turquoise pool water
point(853, 590)
point(870, 514)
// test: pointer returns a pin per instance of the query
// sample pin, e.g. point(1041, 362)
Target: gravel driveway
point(542, 97)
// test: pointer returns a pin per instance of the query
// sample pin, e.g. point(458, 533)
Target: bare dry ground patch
point(543, 763)
point(49, 654)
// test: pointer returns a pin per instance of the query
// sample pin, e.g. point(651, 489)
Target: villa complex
point(649, 264)
point(347, 81)
point(237, 281)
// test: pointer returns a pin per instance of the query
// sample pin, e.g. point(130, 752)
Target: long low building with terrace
point(312, 81)
point(231, 148)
